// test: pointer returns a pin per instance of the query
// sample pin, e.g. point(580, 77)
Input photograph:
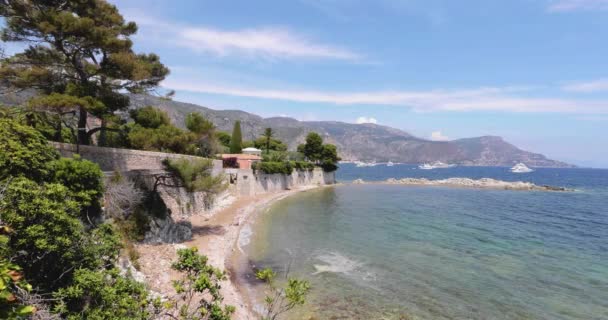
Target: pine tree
point(236, 142)
point(80, 49)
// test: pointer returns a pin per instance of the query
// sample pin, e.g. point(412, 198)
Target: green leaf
point(25, 310)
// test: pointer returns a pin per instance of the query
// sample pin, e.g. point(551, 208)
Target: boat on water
point(361, 164)
point(390, 164)
point(521, 168)
point(435, 165)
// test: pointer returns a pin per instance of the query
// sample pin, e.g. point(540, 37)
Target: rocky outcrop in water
point(484, 183)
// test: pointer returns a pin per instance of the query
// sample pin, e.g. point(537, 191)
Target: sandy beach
point(215, 236)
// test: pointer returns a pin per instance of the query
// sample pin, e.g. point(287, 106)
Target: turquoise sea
point(406, 252)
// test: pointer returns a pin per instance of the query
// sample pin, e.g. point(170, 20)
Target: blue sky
point(532, 71)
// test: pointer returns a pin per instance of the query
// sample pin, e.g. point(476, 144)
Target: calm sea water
point(393, 252)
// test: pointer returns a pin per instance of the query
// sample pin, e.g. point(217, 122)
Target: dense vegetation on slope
point(58, 248)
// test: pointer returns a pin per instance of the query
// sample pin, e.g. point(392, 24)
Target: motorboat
point(435, 165)
point(521, 168)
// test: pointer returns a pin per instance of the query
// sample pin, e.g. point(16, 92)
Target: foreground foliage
point(198, 291)
point(280, 300)
point(56, 261)
point(106, 295)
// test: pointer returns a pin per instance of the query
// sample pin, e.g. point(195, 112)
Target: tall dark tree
point(77, 48)
point(204, 130)
point(236, 142)
point(268, 135)
point(313, 147)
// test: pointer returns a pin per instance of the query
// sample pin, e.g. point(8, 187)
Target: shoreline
point(217, 237)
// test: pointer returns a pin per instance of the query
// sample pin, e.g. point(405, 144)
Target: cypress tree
point(236, 141)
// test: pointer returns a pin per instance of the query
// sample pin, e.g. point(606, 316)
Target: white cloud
point(271, 42)
point(480, 99)
point(573, 5)
point(259, 42)
point(361, 120)
point(437, 136)
point(588, 87)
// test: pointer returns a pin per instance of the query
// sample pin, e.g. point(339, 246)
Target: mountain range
point(361, 142)
point(356, 142)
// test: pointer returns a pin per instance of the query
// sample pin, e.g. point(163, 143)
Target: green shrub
point(82, 177)
point(274, 156)
point(329, 166)
point(274, 167)
point(195, 175)
point(303, 165)
point(23, 152)
point(199, 278)
point(50, 240)
point(105, 295)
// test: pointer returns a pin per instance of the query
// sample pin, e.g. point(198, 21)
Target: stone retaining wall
point(246, 183)
point(111, 159)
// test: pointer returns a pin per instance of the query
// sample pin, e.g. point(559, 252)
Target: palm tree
point(268, 134)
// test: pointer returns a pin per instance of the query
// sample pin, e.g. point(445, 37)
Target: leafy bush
point(52, 241)
point(81, 177)
point(303, 165)
point(329, 166)
point(195, 175)
point(295, 156)
point(105, 295)
point(230, 163)
point(274, 156)
point(23, 152)
point(201, 279)
point(274, 167)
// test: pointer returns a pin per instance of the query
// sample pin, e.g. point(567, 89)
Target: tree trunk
point(58, 133)
point(83, 138)
point(103, 134)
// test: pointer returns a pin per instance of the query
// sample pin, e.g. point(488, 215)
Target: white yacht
point(390, 164)
point(365, 164)
point(435, 165)
point(521, 168)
